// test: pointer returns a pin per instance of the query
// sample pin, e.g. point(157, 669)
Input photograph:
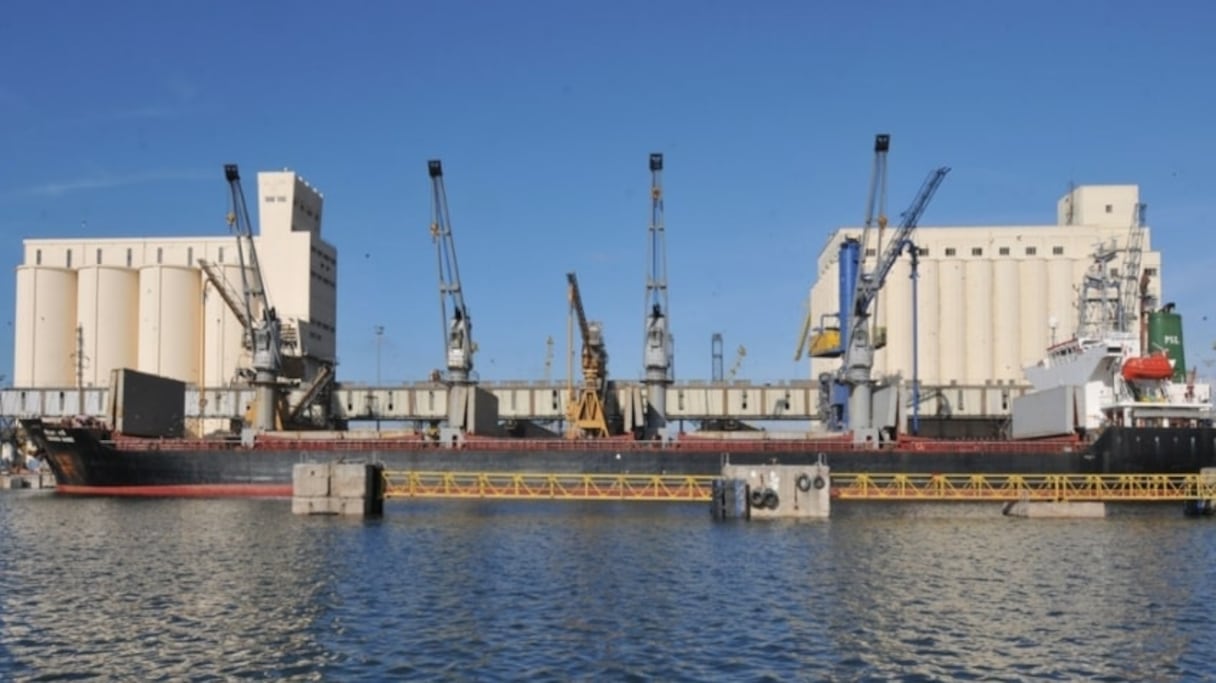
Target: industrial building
point(167, 306)
point(990, 300)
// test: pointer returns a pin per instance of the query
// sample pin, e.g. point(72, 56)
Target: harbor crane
point(457, 325)
point(586, 407)
point(659, 348)
point(263, 330)
point(1134, 286)
point(855, 373)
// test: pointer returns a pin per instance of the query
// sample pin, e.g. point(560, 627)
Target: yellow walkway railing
point(1038, 487)
point(844, 486)
point(547, 486)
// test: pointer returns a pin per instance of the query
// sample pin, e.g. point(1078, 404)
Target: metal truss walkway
point(871, 487)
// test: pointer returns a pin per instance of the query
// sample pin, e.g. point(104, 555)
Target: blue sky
point(115, 120)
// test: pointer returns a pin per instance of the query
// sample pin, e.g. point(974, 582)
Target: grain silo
point(107, 313)
point(45, 345)
point(223, 334)
point(170, 317)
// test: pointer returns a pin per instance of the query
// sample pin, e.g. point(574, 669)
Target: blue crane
point(855, 373)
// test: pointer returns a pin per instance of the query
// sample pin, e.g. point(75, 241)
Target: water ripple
point(216, 590)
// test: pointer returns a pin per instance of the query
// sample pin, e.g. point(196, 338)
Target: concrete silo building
point(991, 299)
point(88, 306)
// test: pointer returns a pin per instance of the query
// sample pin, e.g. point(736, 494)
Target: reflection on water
point(169, 589)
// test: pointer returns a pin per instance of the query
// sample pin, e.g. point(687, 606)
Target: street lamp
point(379, 330)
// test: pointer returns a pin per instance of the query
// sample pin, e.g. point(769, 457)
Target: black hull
point(83, 463)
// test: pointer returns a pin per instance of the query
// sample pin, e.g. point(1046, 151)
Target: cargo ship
point(1099, 407)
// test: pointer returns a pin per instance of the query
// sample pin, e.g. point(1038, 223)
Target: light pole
point(379, 330)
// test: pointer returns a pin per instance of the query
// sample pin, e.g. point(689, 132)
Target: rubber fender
point(756, 498)
point(804, 482)
point(771, 501)
point(820, 482)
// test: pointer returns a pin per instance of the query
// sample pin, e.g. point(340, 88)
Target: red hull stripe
point(184, 490)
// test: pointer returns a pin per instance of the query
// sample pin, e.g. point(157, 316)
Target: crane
point(263, 330)
point(1130, 308)
point(738, 363)
point(859, 347)
point(585, 409)
point(658, 348)
point(457, 325)
point(876, 213)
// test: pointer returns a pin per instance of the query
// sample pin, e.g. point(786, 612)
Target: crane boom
point(871, 283)
point(457, 325)
point(1129, 311)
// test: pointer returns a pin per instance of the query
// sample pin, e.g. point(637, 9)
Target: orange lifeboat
point(1156, 366)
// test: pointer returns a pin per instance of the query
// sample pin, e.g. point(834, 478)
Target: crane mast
point(262, 326)
point(859, 347)
point(658, 349)
point(876, 208)
point(457, 326)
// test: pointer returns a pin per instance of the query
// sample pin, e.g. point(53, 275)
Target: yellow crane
point(585, 405)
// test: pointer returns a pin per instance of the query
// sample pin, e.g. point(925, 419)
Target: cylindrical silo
point(1061, 300)
point(978, 324)
point(951, 308)
point(928, 322)
point(1034, 313)
point(223, 335)
point(44, 347)
point(107, 311)
point(169, 321)
point(897, 294)
point(1006, 320)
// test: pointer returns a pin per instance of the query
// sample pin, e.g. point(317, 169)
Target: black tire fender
point(820, 482)
point(804, 482)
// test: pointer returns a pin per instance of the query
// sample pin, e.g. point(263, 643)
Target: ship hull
point(84, 463)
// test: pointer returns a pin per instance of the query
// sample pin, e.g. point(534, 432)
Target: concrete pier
point(337, 489)
point(1056, 509)
point(27, 480)
point(773, 492)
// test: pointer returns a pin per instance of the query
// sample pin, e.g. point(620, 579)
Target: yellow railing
point(844, 486)
point(1038, 487)
point(506, 485)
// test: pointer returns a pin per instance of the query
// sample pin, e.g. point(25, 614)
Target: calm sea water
point(221, 589)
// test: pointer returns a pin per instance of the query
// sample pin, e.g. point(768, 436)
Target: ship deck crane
point(457, 325)
point(659, 348)
point(859, 347)
point(1132, 307)
point(586, 407)
point(263, 329)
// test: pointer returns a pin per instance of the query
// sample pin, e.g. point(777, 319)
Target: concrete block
point(784, 491)
point(350, 480)
point(310, 479)
point(1056, 509)
point(313, 505)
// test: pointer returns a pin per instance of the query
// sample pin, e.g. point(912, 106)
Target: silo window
point(949, 251)
point(128, 258)
point(69, 258)
point(977, 251)
point(1004, 251)
point(37, 257)
point(189, 256)
point(1058, 251)
point(99, 257)
point(221, 255)
point(871, 251)
point(1031, 251)
point(1109, 208)
point(160, 254)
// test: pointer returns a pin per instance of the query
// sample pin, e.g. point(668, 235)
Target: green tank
point(1165, 334)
